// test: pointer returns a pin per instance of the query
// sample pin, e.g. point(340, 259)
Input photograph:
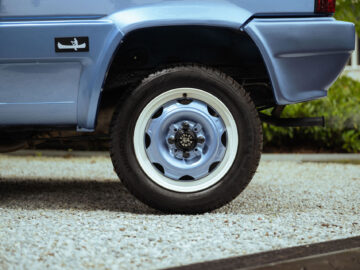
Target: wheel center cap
point(185, 140)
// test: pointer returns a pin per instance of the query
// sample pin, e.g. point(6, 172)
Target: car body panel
point(28, 29)
point(31, 44)
point(304, 56)
point(29, 95)
point(156, 8)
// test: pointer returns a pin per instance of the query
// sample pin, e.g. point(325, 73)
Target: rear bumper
point(303, 56)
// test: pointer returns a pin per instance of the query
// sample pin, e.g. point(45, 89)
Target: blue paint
point(293, 49)
point(304, 56)
point(32, 71)
point(39, 93)
point(23, 8)
point(37, 103)
point(50, 18)
point(169, 156)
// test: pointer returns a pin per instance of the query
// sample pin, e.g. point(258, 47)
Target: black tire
point(237, 177)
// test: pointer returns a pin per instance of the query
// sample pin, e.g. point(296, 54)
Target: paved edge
point(345, 249)
point(347, 259)
point(264, 157)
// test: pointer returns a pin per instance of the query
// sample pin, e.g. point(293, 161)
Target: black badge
point(72, 44)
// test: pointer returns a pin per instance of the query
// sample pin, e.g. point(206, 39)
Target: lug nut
point(197, 128)
point(200, 139)
point(185, 125)
point(171, 140)
point(186, 155)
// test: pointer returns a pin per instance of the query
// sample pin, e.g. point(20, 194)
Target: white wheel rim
point(179, 185)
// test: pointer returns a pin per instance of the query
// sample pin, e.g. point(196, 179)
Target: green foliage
point(349, 10)
point(342, 114)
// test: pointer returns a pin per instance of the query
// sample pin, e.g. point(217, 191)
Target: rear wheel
point(187, 140)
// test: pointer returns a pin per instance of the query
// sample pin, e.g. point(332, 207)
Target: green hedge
point(349, 10)
point(342, 114)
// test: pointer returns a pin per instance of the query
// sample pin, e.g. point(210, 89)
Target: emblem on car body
point(72, 44)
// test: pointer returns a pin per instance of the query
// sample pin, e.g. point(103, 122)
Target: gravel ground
point(74, 213)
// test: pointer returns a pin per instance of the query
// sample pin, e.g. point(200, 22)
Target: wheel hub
point(185, 139)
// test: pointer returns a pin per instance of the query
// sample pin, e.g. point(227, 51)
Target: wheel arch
point(143, 51)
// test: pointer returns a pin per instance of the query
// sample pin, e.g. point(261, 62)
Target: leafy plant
point(349, 10)
point(342, 114)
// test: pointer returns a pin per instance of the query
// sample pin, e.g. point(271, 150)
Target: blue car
point(178, 86)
